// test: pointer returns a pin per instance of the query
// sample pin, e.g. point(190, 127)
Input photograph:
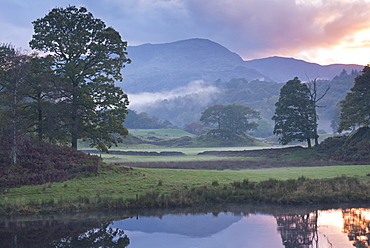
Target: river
point(222, 226)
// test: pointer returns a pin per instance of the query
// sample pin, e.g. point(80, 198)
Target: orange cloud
point(261, 27)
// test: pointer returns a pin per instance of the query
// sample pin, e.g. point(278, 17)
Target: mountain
point(163, 67)
point(282, 69)
point(158, 67)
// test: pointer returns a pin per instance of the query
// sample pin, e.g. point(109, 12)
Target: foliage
point(41, 162)
point(355, 108)
point(88, 58)
point(355, 147)
point(334, 124)
point(295, 113)
point(30, 95)
point(231, 118)
point(13, 71)
point(264, 129)
point(196, 128)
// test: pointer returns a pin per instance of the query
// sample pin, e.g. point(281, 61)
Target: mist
point(142, 101)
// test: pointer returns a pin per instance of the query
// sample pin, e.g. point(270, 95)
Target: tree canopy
point(355, 108)
point(295, 113)
point(233, 117)
point(87, 57)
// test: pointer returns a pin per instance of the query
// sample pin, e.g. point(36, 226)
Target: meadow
point(119, 186)
point(119, 181)
point(125, 181)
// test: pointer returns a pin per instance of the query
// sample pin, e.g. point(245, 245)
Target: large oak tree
point(88, 58)
point(232, 117)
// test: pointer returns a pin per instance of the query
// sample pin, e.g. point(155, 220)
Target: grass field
point(119, 182)
point(191, 154)
point(115, 181)
point(160, 133)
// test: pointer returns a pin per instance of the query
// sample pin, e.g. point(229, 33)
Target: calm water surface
point(236, 226)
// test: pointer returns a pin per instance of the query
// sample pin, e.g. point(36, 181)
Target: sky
point(319, 31)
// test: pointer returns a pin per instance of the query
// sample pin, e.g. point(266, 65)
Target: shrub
point(39, 162)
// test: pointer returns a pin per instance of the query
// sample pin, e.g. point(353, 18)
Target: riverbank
point(121, 187)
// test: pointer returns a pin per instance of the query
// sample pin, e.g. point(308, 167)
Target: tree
point(312, 86)
point(355, 108)
point(88, 57)
point(195, 128)
point(44, 108)
point(232, 117)
point(213, 115)
point(295, 114)
point(334, 124)
point(264, 129)
point(13, 72)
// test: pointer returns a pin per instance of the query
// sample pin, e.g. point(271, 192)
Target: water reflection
point(240, 226)
point(104, 236)
point(298, 230)
point(356, 225)
point(72, 230)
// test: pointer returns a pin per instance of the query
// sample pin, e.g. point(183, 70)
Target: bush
point(352, 148)
point(40, 162)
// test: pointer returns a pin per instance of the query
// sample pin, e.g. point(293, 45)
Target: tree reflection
point(357, 226)
point(104, 236)
point(298, 230)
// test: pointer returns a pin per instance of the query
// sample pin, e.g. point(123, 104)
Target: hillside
point(163, 67)
point(282, 69)
point(158, 67)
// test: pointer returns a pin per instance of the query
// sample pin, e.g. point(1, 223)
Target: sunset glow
point(320, 31)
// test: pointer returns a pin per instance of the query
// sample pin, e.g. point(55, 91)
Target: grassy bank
point(123, 187)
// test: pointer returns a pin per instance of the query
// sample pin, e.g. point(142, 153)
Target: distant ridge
point(282, 69)
point(161, 67)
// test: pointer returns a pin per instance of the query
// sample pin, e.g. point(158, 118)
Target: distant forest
point(259, 95)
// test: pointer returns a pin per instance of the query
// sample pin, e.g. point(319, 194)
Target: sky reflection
point(229, 230)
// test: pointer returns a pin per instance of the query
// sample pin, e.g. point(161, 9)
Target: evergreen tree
point(355, 108)
point(295, 114)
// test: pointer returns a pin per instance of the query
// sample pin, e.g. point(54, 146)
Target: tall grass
point(122, 187)
point(293, 191)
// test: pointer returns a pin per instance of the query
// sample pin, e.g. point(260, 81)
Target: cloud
point(262, 27)
point(145, 21)
point(140, 101)
point(252, 28)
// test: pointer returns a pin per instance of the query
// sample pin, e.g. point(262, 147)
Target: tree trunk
point(40, 123)
point(309, 142)
point(74, 117)
point(14, 150)
point(74, 127)
point(316, 140)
